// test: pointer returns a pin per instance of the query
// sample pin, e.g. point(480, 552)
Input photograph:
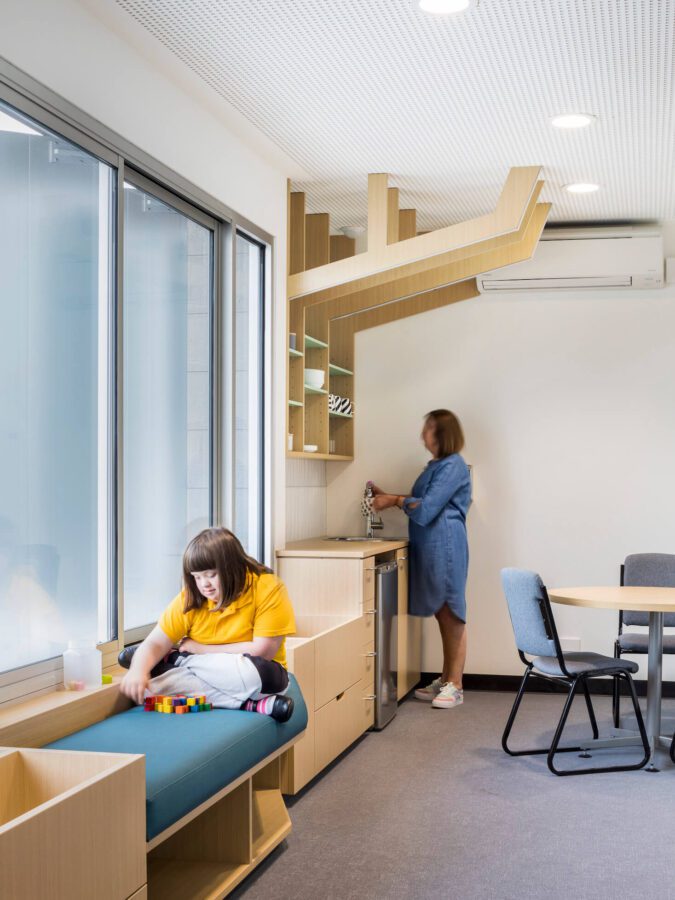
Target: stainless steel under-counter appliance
point(386, 642)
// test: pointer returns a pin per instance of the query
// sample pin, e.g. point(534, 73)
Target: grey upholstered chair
point(643, 570)
point(536, 636)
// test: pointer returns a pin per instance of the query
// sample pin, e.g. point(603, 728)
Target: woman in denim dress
point(438, 552)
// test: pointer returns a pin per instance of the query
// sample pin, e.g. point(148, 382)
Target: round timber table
point(653, 600)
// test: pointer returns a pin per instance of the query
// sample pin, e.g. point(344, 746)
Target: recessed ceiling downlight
point(582, 187)
point(572, 120)
point(445, 7)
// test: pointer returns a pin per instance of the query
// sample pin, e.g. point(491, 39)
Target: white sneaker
point(448, 697)
point(429, 691)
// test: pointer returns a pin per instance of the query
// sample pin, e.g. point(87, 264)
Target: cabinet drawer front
point(338, 660)
point(339, 723)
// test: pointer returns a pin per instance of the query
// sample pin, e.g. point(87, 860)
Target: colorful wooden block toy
point(179, 703)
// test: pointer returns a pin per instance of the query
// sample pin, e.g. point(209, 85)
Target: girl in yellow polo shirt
point(222, 636)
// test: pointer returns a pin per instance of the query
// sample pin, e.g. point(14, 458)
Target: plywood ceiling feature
point(445, 105)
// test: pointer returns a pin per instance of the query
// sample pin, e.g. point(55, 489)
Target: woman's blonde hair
point(219, 549)
point(447, 430)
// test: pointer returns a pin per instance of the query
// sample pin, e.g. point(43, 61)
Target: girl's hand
point(133, 686)
point(376, 490)
point(187, 645)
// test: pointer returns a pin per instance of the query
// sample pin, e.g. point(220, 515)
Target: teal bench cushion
point(189, 758)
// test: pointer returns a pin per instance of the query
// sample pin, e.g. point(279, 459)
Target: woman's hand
point(187, 645)
point(384, 501)
point(376, 490)
point(134, 685)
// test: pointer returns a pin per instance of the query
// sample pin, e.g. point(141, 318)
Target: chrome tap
point(373, 520)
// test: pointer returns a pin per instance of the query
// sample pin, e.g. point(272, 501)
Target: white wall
point(568, 404)
point(99, 60)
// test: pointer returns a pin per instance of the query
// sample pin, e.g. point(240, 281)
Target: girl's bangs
point(200, 555)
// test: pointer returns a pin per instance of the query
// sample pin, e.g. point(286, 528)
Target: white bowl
point(310, 448)
point(315, 378)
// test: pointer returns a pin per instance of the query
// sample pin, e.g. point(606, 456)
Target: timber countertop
point(319, 547)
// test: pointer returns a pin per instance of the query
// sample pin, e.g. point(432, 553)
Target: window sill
point(48, 717)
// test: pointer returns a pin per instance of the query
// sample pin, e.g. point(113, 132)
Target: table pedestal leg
point(654, 677)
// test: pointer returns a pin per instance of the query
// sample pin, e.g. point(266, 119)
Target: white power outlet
point(570, 644)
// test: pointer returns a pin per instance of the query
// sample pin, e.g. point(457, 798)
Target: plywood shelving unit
point(333, 293)
point(309, 420)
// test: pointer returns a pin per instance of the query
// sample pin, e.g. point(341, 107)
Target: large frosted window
point(55, 265)
point(248, 418)
point(167, 427)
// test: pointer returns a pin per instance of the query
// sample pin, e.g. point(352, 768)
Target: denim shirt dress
point(439, 552)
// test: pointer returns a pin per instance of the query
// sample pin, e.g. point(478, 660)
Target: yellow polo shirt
point(263, 610)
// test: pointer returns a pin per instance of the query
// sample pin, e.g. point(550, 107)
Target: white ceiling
point(446, 106)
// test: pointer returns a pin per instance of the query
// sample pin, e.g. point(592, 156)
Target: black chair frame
point(616, 687)
point(574, 684)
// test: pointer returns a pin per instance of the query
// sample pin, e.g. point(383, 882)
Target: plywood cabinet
point(333, 654)
point(331, 659)
point(71, 825)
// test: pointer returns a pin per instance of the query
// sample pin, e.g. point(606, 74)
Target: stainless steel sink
point(359, 539)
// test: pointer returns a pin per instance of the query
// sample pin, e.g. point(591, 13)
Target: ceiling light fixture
point(582, 187)
point(9, 123)
point(572, 120)
point(353, 231)
point(445, 7)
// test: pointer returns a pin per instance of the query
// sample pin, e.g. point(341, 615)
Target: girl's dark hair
point(449, 434)
point(219, 549)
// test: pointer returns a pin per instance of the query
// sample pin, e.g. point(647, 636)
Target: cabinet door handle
point(369, 612)
point(372, 653)
point(372, 569)
point(370, 697)
point(402, 558)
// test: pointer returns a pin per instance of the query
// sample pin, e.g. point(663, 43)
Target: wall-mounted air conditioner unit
point(585, 258)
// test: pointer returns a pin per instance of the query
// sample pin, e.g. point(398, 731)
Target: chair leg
point(512, 718)
point(598, 769)
point(616, 690)
point(561, 725)
point(512, 715)
point(591, 711)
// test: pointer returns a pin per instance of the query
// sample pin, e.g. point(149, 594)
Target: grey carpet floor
point(432, 808)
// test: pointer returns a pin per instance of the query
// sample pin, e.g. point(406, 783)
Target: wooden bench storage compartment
point(213, 852)
point(72, 825)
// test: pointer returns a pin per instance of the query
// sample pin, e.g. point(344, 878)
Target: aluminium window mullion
point(225, 459)
point(117, 530)
point(267, 416)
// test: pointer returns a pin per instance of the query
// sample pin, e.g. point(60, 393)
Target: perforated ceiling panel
point(445, 105)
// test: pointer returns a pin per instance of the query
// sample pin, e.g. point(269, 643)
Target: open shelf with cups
point(316, 369)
